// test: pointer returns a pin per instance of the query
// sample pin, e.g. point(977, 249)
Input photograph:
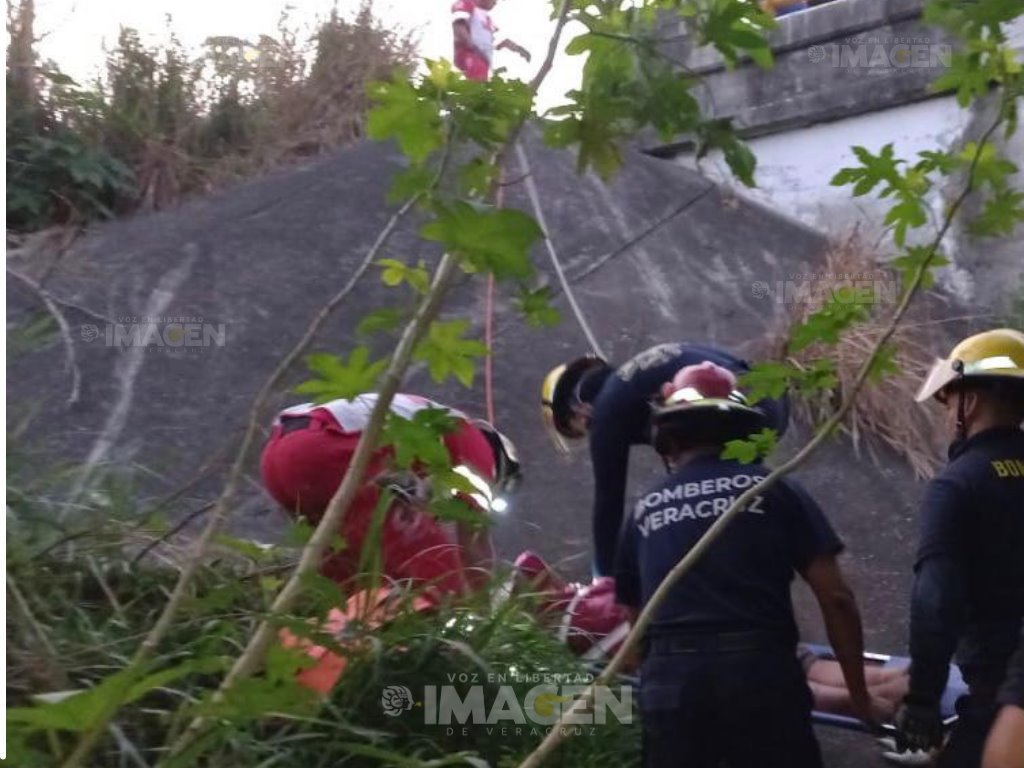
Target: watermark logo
point(881, 54)
point(396, 699)
point(180, 334)
point(504, 709)
point(820, 289)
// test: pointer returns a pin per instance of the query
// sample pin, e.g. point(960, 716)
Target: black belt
point(716, 642)
point(295, 423)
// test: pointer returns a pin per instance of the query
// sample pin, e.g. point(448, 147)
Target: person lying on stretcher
point(589, 620)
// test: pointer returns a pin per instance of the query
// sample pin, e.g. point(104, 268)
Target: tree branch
point(71, 363)
point(312, 554)
point(558, 732)
point(163, 624)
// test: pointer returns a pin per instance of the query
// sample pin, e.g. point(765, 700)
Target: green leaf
point(884, 364)
point(743, 451)
point(244, 547)
point(1000, 214)
point(757, 446)
point(767, 380)
point(447, 353)
point(819, 376)
point(419, 440)
point(83, 710)
point(253, 698)
point(385, 319)
point(909, 212)
point(477, 177)
point(341, 379)
point(298, 533)
point(396, 272)
point(489, 239)
point(403, 114)
point(536, 307)
point(414, 180)
point(912, 259)
point(719, 134)
point(826, 325)
point(486, 112)
point(598, 149)
point(741, 161)
point(990, 167)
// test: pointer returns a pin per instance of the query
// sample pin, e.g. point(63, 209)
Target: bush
point(160, 125)
point(80, 604)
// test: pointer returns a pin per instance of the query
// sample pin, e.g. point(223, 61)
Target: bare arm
point(842, 621)
point(461, 31)
point(515, 47)
point(1005, 745)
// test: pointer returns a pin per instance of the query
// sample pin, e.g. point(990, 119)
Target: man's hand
point(918, 726)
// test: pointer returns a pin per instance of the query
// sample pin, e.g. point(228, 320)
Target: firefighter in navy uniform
point(1005, 745)
point(720, 678)
point(588, 396)
point(968, 595)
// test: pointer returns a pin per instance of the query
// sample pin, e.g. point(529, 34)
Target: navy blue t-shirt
point(742, 583)
point(621, 419)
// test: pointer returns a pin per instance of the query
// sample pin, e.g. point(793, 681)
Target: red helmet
point(703, 405)
point(705, 379)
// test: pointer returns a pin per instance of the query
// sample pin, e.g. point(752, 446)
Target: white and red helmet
point(702, 404)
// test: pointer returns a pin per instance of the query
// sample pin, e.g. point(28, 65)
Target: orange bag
point(373, 610)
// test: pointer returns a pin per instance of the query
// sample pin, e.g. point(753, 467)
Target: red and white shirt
point(353, 415)
point(475, 59)
point(469, 450)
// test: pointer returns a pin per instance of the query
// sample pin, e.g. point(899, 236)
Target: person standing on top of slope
point(590, 397)
point(473, 31)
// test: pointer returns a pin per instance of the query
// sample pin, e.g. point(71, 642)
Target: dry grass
point(884, 415)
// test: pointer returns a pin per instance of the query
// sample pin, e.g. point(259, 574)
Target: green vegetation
point(80, 601)
point(161, 123)
point(180, 664)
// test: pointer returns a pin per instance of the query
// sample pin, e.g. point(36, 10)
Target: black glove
point(918, 726)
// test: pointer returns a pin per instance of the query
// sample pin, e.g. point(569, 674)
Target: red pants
point(303, 468)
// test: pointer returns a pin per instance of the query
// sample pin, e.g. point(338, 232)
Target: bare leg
point(886, 686)
point(829, 672)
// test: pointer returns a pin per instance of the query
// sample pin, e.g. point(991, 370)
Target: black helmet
point(560, 393)
point(507, 472)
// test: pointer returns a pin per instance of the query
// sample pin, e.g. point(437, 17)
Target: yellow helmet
point(556, 398)
point(996, 354)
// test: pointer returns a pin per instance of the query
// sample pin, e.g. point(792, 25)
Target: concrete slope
point(263, 256)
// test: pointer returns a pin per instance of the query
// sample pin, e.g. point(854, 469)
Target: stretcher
point(955, 688)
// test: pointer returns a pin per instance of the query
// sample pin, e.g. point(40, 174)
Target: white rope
point(531, 191)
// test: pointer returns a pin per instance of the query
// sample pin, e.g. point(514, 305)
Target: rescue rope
point(489, 341)
point(499, 201)
point(531, 191)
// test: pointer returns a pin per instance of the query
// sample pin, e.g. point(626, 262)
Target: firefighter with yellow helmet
point(968, 595)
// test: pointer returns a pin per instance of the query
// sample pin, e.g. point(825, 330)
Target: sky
point(75, 31)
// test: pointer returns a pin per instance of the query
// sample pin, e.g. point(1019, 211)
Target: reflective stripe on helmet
point(1003, 362)
point(693, 395)
point(483, 495)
